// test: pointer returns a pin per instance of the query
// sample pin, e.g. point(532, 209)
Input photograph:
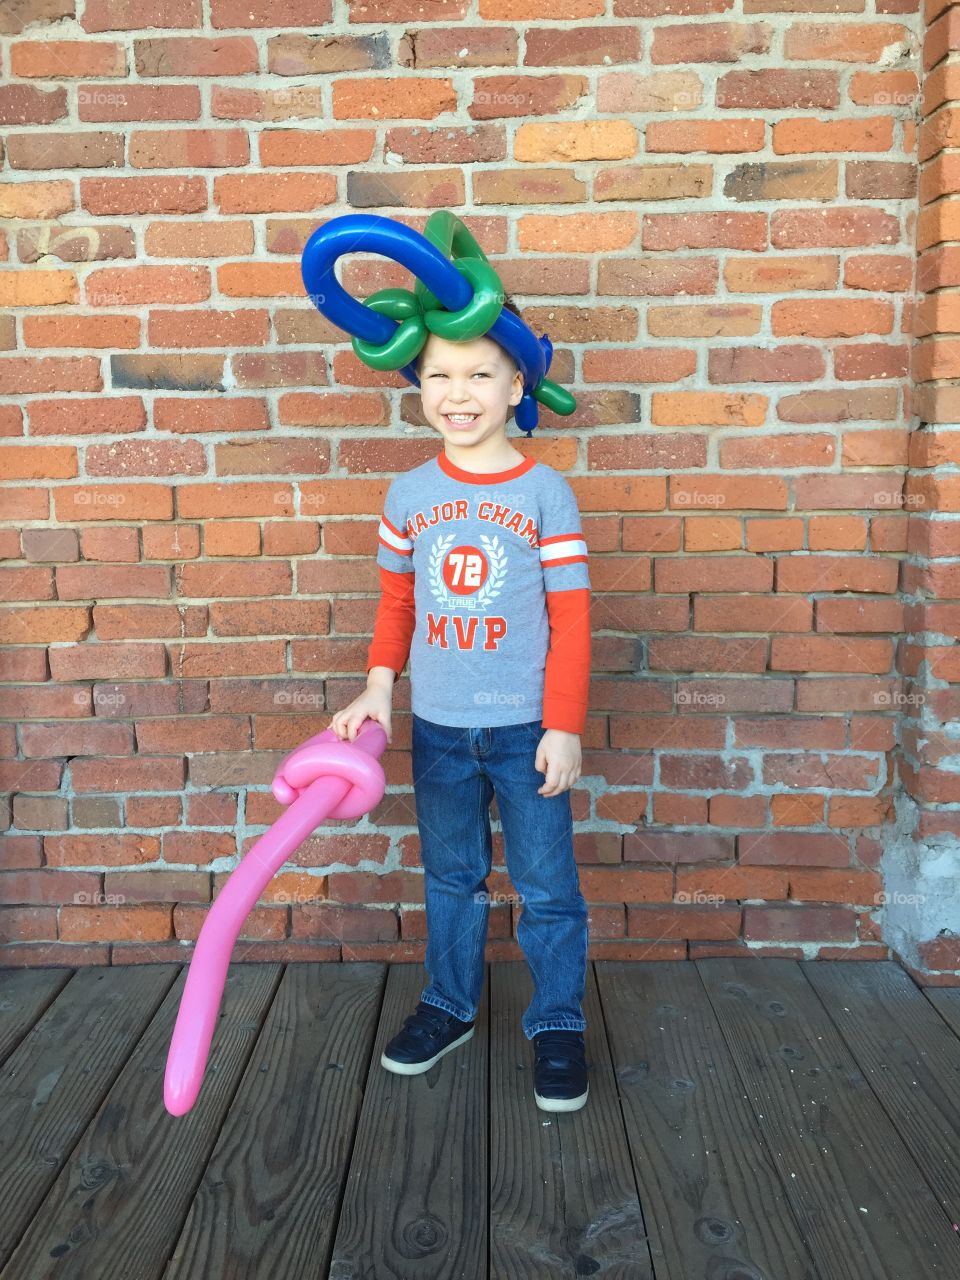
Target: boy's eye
point(479, 374)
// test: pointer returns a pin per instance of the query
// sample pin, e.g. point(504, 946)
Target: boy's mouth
point(461, 419)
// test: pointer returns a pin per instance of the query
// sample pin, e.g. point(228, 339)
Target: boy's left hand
point(558, 756)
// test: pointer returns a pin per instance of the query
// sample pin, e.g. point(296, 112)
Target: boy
point(484, 581)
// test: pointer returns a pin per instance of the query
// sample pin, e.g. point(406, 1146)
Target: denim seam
point(447, 1007)
point(482, 846)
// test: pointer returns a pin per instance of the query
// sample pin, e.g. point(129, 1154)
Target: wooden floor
point(754, 1119)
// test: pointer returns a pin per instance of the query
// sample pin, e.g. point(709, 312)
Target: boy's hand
point(558, 756)
point(375, 703)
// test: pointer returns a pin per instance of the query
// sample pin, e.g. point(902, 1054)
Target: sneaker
point(423, 1039)
point(560, 1070)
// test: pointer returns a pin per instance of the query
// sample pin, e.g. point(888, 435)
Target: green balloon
point(481, 311)
point(407, 341)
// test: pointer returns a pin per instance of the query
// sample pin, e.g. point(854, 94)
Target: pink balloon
point(323, 778)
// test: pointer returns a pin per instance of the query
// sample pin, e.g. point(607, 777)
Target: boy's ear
point(516, 389)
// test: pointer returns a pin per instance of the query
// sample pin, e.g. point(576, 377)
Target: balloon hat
point(457, 296)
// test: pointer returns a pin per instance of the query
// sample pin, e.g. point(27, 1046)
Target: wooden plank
point(712, 1203)
point(863, 1206)
point(563, 1199)
point(25, 995)
point(946, 1001)
point(55, 1081)
point(269, 1199)
point(909, 1056)
point(415, 1201)
point(118, 1205)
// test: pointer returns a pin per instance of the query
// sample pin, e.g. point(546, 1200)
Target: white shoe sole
point(561, 1104)
point(417, 1068)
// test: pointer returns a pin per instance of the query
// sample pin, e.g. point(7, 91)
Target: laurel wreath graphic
point(497, 556)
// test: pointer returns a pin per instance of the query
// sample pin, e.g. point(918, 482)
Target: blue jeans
point(456, 772)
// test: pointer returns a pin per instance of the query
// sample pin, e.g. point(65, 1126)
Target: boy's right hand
point(374, 703)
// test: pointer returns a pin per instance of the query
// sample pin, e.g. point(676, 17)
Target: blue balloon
point(437, 273)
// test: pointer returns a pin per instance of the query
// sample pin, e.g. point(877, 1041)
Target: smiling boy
point(485, 584)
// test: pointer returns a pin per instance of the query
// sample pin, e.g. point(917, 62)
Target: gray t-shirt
point(484, 550)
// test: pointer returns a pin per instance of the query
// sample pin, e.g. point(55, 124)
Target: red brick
point(138, 923)
point(74, 243)
point(173, 194)
point(207, 239)
point(523, 95)
point(59, 150)
point(315, 147)
point(592, 44)
point(719, 137)
point(240, 413)
point(37, 288)
point(98, 102)
point(36, 199)
point(270, 13)
point(273, 192)
point(392, 98)
point(309, 55)
point(235, 103)
point(710, 42)
point(124, 286)
point(188, 148)
point(133, 15)
point(65, 330)
point(28, 104)
point(14, 19)
point(246, 327)
point(260, 279)
point(46, 886)
point(127, 502)
point(849, 42)
point(67, 59)
point(196, 56)
point(79, 416)
point(30, 375)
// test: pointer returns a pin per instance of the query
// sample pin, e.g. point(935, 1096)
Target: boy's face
point(475, 378)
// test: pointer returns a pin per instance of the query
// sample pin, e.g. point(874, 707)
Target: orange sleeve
point(566, 679)
point(394, 623)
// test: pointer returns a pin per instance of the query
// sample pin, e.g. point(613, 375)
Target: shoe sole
point(561, 1104)
point(417, 1068)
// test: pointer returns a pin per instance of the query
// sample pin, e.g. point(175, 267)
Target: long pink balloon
point(323, 778)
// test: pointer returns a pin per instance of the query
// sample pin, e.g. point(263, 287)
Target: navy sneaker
point(560, 1070)
point(423, 1039)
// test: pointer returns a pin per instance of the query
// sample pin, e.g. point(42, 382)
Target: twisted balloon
point(457, 295)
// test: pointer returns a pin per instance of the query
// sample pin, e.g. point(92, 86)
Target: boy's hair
point(508, 305)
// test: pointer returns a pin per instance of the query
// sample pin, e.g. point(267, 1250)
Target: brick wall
point(718, 221)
